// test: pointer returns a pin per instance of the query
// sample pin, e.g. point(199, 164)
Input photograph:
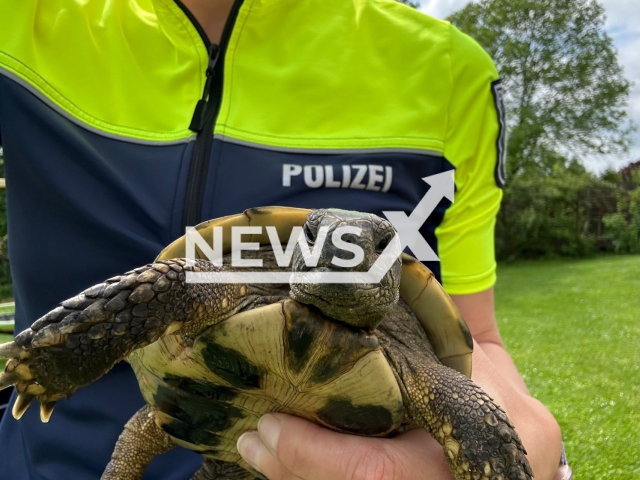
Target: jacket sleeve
point(474, 144)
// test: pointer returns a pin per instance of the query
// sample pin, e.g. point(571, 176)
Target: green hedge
point(622, 226)
point(567, 214)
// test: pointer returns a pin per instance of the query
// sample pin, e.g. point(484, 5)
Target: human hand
point(290, 448)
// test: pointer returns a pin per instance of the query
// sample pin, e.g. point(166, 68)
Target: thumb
point(290, 448)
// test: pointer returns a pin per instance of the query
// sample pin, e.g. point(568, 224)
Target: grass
point(573, 329)
point(4, 337)
point(6, 307)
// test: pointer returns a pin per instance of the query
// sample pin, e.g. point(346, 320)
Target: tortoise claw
point(34, 389)
point(21, 405)
point(46, 409)
point(9, 350)
point(11, 365)
point(22, 371)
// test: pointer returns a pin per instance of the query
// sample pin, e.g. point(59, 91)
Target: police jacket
point(122, 124)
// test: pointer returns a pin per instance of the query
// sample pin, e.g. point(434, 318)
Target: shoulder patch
point(498, 99)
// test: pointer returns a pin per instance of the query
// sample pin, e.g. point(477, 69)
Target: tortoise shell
point(286, 357)
point(446, 329)
point(283, 357)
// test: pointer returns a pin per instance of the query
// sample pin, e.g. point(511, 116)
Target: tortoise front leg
point(138, 444)
point(81, 340)
point(478, 439)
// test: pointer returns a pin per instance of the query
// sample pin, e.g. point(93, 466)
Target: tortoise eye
point(309, 233)
point(384, 242)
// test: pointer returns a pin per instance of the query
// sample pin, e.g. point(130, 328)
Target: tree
point(566, 93)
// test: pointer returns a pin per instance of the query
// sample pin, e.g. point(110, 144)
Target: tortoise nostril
point(384, 242)
point(310, 234)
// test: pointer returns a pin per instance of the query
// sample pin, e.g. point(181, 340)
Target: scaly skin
point(219, 470)
point(140, 441)
point(78, 342)
point(359, 305)
point(478, 439)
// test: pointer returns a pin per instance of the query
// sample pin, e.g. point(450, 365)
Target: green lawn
point(5, 308)
point(573, 329)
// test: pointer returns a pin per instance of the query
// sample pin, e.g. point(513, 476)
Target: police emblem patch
point(498, 98)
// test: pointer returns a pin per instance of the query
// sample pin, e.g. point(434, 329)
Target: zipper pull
point(197, 121)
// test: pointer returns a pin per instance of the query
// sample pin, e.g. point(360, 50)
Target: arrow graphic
point(408, 227)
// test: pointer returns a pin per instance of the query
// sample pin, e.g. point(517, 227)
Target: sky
point(623, 25)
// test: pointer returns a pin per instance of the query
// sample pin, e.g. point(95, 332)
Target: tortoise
point(212, 358)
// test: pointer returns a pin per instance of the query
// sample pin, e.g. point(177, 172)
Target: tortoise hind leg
point(138, 444)
point(220, 470)
point(479, 440)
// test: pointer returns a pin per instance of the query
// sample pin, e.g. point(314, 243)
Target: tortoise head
point(348, 242)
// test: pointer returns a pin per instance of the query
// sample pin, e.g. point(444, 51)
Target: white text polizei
point(376, 178)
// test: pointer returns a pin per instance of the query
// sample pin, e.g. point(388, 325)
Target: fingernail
point(250, 448)
point(269, 431)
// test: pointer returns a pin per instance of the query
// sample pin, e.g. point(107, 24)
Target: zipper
point(205, 115)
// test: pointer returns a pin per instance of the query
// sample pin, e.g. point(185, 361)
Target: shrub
point(622, 228)
point(568, 213)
